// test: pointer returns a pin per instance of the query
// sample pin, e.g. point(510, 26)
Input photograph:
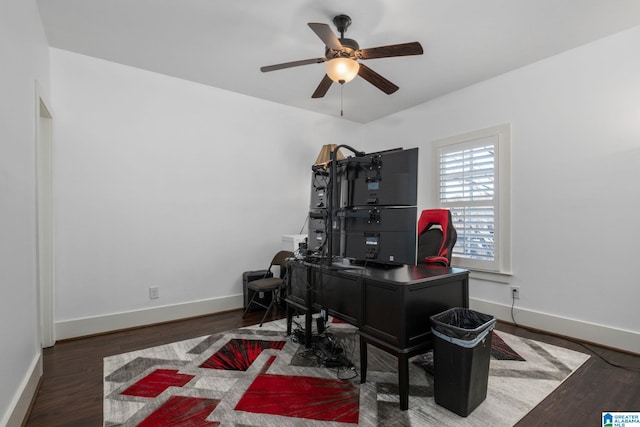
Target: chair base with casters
point(267, 284)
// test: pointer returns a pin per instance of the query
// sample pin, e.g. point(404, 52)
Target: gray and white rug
point(257, 376)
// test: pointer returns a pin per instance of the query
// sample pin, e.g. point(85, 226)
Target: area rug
point(258, 376)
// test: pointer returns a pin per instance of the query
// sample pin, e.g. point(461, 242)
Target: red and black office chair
point(436, 237)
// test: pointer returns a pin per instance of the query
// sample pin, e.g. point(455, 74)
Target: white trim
point(19, 407)
point(44, 218)
point(490, 276)
point(586, 331)
point(130, 319)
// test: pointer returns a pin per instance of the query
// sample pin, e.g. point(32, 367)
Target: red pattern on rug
point(239, 354)
point(502, 351)
point(182, 411)
point(302, 397)
point(157, 382)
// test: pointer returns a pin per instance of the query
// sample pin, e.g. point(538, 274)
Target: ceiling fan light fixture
point(342, 70)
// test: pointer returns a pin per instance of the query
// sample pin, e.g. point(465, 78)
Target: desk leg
point(403, 380)
point(289, 319)
point(308, 319)
point(363, 360)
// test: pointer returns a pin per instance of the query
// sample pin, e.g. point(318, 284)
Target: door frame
point(44, 219)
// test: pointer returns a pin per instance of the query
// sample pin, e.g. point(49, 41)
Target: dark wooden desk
point(390, 306)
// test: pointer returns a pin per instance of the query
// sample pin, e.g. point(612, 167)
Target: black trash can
point(461, 355)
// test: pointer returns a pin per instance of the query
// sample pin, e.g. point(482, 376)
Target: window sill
point(490, 276)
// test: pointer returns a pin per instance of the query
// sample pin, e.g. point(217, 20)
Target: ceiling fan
point(342, 55)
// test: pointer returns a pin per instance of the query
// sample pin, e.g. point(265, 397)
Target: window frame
point(499, 268)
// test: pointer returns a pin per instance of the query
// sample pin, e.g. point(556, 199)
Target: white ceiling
point(224, 43)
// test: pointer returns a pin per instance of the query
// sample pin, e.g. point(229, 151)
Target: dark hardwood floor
point(596, 387)
point(71, 389)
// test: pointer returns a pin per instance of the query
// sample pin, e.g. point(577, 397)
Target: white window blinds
point(472, 174)
point(467, 177)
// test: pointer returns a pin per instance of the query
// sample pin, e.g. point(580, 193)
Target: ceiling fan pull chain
point(341, 111)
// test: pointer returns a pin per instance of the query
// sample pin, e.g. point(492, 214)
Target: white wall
point(24, 58)
point(164, 182)
point(575, 184)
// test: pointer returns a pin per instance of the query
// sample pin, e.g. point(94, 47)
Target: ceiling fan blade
point(377, 80)
point(323, 87)
point(403, 49)
point(292, 64)
point(326, 35)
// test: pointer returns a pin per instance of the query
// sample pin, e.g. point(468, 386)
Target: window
point(472, 176)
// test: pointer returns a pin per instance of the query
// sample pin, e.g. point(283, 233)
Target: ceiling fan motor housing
point(349, 48)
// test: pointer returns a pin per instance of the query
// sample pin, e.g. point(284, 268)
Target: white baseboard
point(591, 332)
point(585, 331)
point(116, 321)
point(21, 402)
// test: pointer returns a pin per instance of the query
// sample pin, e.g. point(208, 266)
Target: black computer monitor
point(372, 216)
point(381, 235)
point(386, 178)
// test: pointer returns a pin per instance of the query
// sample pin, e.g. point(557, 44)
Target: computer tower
point(319, 189)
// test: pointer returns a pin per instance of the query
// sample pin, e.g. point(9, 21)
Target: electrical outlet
point(154, 292)
point(515, 292)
